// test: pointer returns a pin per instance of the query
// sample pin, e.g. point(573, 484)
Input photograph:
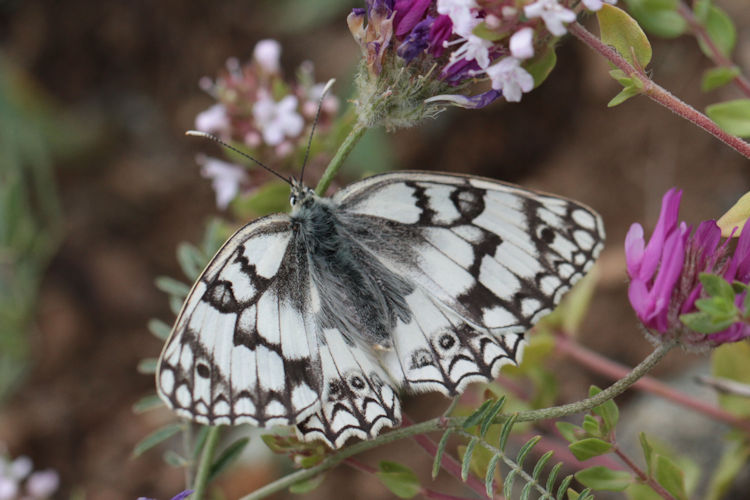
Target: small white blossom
point(267, 53)
point(473, 48)
point(225, 179)
point(8, 488)
point(277, 120)
point(522, 43)
point(510, 78)
point(214, 120)
point(462, 16)
point(42, 484)
point(597, 4)
point(20, 467)
point(552, 13)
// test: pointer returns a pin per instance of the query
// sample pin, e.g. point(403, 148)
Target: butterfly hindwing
point(243, 348)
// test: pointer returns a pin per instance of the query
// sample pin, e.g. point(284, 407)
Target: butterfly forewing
point(410, 280)
point(244, 346)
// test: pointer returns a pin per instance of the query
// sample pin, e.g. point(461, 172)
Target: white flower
point(597, 4)
point(510, 78)
point(42, 484)
point(462, 16)
point(214, 120)
point(8, 488)
point(552, 13)
point(225, 179)
point(522, 43)
point(267, 53)
point(277, 120)
point(474, 48)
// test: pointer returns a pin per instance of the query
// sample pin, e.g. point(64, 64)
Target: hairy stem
point(716, 56)
point(204, 467)
point(456, 423)
point(356, 133)
point(660, 94)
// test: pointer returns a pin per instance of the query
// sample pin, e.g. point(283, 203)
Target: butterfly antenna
point(196, 133)
point(315, 123)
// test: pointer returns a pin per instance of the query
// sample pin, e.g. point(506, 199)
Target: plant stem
point(204, 467)
point(609, 368)
point(660, 94)
point(716, 56)
point(356, 133)
point(456, 423)
point(658, 488)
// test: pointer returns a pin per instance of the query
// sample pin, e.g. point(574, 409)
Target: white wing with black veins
point(244, 347)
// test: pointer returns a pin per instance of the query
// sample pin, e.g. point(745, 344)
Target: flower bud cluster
point(261, 110)
point(418, 55)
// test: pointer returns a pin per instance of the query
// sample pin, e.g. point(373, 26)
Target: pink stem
point(660, 94)
point(615, 371)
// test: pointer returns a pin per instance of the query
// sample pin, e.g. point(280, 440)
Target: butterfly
point(405, 281)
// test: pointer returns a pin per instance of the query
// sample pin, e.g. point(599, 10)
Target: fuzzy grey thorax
point(359, 296)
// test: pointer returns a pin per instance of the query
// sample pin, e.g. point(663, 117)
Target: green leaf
point(227, 457)
point(608, 411)
point(505, 432)
point(718, 77)
point(552, 476)
point(733, 460)
point(659, 17)
point(602, 478)
point(670, 476)
point(271, 197)
point(486, 33)
point(439, 455)
point(172, 287)
point(623, 33)
point(477, 416)
point(490, 415)
point(147, 366)
point(730, 361)
point(526, 448)
point(147, 403)
point(508, 484)
point(624, 95)
point(648, 452)
point(734, 219)
point(589, 447)
point(541, 65)
point(401, 480)
point(200, 440)
point(191, 261)
point(489, 476)
point(156, 437)
point(719, 27)
point(569, 431)
point(466, 461)
point(732, 116)
point(716, 286)
point(307, 485)
point(174, 459)
point(706, 323)
point(159, 328)
point(592, 426)
point(541, 463)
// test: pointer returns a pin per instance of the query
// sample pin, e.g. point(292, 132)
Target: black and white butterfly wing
point(244, 346)
point(488, 259)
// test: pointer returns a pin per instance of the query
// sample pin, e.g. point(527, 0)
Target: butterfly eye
point(292, 199)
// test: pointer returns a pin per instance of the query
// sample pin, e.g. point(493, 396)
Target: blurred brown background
point(119, 82)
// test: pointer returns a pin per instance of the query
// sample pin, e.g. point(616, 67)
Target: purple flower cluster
point(664, 272)
point(463, 39)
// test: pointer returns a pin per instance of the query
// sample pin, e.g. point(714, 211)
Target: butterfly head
point(301, 195)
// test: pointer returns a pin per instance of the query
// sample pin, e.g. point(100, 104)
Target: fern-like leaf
point(489, 416)
point(477, 416)
point(505, 431)
point(540, 465)
point(564, 487)
point(553, 476)
point(467, 458)
point(489, 478)
point(525, 449)
point(439, 454)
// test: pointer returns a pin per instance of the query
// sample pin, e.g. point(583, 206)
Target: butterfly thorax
point(355, 292)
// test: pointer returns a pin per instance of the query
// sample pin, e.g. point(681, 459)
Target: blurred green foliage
point(33, 131)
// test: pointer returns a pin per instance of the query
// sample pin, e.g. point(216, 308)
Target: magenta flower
point(665, 273)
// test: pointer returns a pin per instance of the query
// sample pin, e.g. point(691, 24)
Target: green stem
point(456, 423)
point(204, 467)
point(337, 161)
